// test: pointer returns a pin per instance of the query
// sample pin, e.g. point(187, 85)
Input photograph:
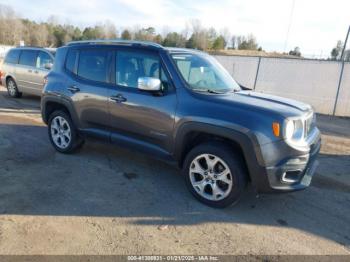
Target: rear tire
point(215, 174)
point(12, 89)
point(62, 133)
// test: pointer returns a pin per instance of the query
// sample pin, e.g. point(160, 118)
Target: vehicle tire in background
point(215, 174)
point(12, 89)
point(62, 133)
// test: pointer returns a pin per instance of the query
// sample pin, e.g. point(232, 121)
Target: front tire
point(62, 133)
point(12, 89)
point(215, 174)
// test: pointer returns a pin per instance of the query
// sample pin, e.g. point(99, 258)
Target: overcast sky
point(316, 24)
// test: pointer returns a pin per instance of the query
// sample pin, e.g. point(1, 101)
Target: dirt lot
point(108, 200)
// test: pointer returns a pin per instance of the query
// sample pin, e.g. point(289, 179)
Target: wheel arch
point(51, 104)
point(7, 77)
point(193, 133)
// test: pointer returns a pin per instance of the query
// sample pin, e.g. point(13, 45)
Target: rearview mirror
point(48, 66)
point(148, 84)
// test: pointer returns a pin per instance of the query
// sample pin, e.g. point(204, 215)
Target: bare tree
point(226, 34)
point(110, 31)
point(10, 26)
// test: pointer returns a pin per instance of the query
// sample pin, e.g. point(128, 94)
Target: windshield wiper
point(211, 91)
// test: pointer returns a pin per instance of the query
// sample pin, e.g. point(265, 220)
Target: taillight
point(45, 80)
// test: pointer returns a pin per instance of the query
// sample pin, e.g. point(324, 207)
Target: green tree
point(198, 40)
point(88, 33)
point(175, 40)
point(126, 35)
point(60, 36)
point(295, 52)
point(190, 43)
point(219, 43)
point(96, 32)
point(211, 38)
point(145, 34)
point(247, 43)
point(336, 51)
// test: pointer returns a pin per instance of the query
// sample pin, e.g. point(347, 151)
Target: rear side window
point(71, 60)
point(28, 58)
point(93, 65)
point(12, 56)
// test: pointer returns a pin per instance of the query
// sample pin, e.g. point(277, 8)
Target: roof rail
point(29, 46)
point(115, 41)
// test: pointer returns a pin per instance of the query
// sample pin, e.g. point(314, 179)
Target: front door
point(145, 118)
point(40, 71)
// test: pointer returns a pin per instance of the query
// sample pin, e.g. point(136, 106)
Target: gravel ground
point(109, 200)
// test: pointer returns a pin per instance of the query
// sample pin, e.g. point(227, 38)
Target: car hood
point(286, 107)
point(276, 99)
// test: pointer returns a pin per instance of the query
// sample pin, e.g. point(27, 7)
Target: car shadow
point(107, 181)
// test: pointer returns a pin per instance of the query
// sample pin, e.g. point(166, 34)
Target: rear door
point(25, 71)
point(87, 87)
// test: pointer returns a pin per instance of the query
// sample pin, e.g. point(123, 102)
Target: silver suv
point(24, 69)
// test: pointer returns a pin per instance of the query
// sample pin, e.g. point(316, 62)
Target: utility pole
point(341, 71)
point(346, 40)
point(289, 25)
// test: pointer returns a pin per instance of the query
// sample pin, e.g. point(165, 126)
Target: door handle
point(118, 98)
point(30, 70)
point(36, 72)
point(73, 89)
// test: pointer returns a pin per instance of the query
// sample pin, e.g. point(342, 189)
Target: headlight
point(294, 130)
point(289, 129)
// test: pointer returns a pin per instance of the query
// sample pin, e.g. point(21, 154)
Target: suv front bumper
point(294, 168)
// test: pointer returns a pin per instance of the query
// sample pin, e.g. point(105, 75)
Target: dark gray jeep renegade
point(182, 106)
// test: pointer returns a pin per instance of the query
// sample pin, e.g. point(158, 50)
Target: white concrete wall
point(343, 105)
point(243, 68)
point(311, 81)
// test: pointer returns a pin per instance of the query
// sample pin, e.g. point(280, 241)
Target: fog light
point(291, 176)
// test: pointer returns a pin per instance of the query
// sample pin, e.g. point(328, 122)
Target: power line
point(289, 25)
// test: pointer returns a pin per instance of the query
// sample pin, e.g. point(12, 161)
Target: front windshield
point(204, 73)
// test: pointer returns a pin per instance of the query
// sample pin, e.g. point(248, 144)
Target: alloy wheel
point(211, 177)
point(11, 86)
point(61, 132)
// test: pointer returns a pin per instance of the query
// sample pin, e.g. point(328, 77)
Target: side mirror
point(149, 84)
point(48, 66)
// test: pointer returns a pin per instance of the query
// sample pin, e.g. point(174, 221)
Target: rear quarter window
point(12, 56)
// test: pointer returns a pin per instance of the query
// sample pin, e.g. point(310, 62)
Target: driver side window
point(43, 59)
point(132, 65)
